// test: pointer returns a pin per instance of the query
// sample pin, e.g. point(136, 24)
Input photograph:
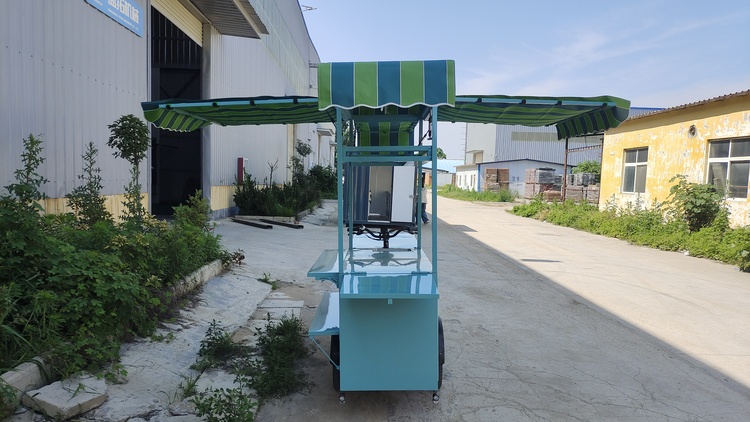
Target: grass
point(450, 191)
point(281, 345)
point(648, 227)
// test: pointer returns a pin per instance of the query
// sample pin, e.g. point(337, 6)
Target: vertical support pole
point(565, 171)
point(434, 194)
point(340, 189)
point(418, 210)
point(351, 142)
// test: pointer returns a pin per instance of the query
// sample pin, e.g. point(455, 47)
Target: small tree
point(86, 200)
point(28, 182)
point(130, 139)
point(440, 154)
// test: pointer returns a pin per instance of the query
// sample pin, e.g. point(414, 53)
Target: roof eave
point(232, 17)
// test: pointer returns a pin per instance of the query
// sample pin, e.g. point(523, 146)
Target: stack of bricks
point(496, 180)
point(583, 187)
point(539, 181)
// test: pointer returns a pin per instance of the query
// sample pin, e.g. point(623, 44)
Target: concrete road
point(547, 323)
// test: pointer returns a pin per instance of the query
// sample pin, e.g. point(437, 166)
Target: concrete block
point(197, 278)
point(68, 398)
point(27, 376)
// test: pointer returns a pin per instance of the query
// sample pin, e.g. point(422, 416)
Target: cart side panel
point(389, 346)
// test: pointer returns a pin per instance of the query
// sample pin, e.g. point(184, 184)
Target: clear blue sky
point(655, 53)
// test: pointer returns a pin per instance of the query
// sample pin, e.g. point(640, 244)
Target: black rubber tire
point(441, 352)
point(335, 354)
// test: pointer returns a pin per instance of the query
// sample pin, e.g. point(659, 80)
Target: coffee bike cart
point(385, 332)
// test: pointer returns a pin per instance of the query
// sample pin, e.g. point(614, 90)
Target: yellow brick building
point(707, 141)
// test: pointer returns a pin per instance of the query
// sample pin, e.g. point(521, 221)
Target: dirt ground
point(546, 323)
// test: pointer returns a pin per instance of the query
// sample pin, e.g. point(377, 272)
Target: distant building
point(707, 141)
point(446, 171)
point(519, 148)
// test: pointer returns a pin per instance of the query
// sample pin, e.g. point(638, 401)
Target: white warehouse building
point(70, 68)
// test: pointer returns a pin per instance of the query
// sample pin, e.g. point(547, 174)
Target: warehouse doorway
point(176, 157)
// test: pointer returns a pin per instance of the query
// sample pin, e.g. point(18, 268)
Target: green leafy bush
point(698, 205)
point(589, 166)
point(288, 199)
point(324, 178)
point(75, 286)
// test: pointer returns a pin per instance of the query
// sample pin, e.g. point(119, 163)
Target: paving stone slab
point(280, 303)
point(68, 398)
point(275, 313)
point(126, 407)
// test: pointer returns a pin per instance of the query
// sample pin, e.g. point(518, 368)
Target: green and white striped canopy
point(571, 116)
point(387, 99)
point(378, 84)
point(188, 115)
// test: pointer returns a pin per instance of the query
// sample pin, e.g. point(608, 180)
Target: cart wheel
point(441, 352)
point(335, 355)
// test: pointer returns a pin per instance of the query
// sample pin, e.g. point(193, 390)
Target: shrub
point(324, 177)
point(590, 166)
point(698, 205)
point(531, 209)
point(75, 291)
point(196, 213)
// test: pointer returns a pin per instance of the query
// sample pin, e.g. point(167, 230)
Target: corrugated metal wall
point(241, 67)
point(541, 143)
point(67, 72)
point(277, 64)
point(480, 137)
point(288, 41)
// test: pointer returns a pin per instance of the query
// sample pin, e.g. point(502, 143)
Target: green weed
point(268, 280)
point(451, 191)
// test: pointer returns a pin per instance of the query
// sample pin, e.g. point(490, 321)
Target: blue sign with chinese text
point(127, 13)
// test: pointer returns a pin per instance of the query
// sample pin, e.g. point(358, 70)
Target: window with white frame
point(729, 166)
point(634, 170)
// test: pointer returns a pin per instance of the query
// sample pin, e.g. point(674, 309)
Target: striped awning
point(571, 116)
point(386, 100)
point(377, 84)
point(188, 115)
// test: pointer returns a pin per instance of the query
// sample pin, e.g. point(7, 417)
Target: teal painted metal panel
point(388, 346)
point(326, 320)
point(417, 286)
